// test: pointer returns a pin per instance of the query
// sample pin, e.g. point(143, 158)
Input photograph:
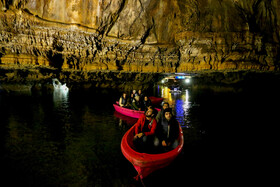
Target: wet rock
point(85, 41)
point(140, 36)
point(15, 88)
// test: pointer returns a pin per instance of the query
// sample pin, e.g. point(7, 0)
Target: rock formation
point(139, 35)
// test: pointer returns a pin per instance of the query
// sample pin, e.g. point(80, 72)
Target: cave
point(64, 63)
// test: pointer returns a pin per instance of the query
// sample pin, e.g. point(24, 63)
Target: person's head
point(124, 95)
point(150, 112)
point(167, 113)
point(146, 98)
point(165, 105)
point(133, 91)
point(139, 92)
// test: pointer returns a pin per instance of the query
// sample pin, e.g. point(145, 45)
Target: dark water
point(74, 139)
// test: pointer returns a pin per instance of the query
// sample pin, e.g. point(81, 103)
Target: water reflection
point(125, 121)
point(179, 102)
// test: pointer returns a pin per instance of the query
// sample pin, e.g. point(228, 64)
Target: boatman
point(144, 131)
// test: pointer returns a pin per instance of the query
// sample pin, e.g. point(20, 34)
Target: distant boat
point(145, 163)
point(175, 90)
point(156, 100)
point(129, 112)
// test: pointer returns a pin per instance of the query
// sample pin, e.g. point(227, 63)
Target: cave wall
point(140, 35)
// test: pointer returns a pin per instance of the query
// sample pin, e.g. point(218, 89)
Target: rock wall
point(140, 35)
point(40, 80)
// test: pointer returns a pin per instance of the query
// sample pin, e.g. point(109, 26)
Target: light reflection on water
point(179, 102)
point(60, 99)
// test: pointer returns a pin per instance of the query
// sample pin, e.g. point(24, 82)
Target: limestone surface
point(141, 36)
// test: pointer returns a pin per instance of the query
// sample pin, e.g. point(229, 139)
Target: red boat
point(145, 163)
point(156, 100)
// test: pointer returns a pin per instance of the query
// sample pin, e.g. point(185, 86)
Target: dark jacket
point(168, 130)
point(145, 104)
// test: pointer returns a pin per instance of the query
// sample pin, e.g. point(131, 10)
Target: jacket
point(139, 125)
point(168, 131)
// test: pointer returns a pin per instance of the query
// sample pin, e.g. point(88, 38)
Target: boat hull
point(128, 112)
point(145, 163)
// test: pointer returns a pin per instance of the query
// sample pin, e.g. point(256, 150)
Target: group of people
point(136, 101)
point(156, 132)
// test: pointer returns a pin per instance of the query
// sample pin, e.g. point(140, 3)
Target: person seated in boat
point(141, 97)
point(123, 102)
point(135, 105)
point(160, 113)
point(146, 103)
point(129, 100)
point(168, 131)
point(144, 130)
point(134, 93)
point(140, 92)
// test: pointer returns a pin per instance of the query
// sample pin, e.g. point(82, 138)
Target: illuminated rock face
point(140, 35)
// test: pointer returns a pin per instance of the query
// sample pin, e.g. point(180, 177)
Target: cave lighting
point(180, 77)
point(188, 80)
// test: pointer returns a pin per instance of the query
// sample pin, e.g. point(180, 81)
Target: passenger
point(141, 95)
point(141, 98)
point(134, 93)
point(130, 100)
point(168, 131)
point(140, 92)
point(123, 100)
point(146, 103)
point(144, 131)
point(135, 105)
point(160, 113)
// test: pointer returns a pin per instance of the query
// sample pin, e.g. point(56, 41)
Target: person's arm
point(158, 116)
point(135, 107)
point(120, 102)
